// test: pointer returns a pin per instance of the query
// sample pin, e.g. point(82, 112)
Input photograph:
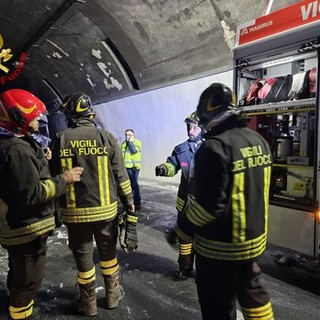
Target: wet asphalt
point(147, 275)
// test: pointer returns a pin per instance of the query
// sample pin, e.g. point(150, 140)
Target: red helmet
point(18, 108)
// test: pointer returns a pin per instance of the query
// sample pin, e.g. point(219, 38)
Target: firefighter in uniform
point(180, 159)
point(227, 210)
point(89, 210)
point(27, 193)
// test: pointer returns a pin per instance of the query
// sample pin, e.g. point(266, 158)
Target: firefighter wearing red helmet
point(27, 194)
point(18, 108)
point(227, 210)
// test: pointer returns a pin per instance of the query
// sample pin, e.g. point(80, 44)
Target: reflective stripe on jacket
point(180, 159)
point(104, 179)
point(27, 191)
point(229, 208)
point(131, 153)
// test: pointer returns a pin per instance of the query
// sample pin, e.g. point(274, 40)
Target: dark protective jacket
point(95, 197)
point(180, 159)
point(27, 191)
point(228, 211)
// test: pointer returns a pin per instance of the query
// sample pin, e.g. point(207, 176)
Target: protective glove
point(173, 238)
point(161, 170)
point(128, 236)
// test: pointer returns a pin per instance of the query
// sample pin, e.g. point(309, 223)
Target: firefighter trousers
point(26, 270)
point(81, 237)
point(186, 254)
point(186, 251)
point(219, 283)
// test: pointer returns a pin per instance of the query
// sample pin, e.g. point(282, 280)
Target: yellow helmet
point(192, 118)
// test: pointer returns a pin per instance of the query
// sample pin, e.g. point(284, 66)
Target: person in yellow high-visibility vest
point(131, 151)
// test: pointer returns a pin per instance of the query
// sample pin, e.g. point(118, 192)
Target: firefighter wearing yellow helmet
point(180, 160)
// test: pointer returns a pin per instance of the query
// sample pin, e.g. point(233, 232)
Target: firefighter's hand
point(173, 238)
point(72, 175)
point(129, 207)
point(47, 153)
point(161, 170)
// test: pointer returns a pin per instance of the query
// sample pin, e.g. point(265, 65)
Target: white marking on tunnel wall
point(56, 54)
point(103, 68)
point(90, 81)
point(57, 47)
point(114, 83)
point(228, 35)
point(96, 53)
point(118, 63)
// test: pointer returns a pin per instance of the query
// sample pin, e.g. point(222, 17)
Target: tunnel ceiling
point(115, 48)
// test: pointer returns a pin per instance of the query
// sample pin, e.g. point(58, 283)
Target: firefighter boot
point(186, 258)
point(114, 292)
point(87, 304)
point(183, 273)
point(36, 315)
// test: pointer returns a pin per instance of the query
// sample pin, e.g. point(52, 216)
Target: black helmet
point(77, 105)
point(213, 101)
point(192, 119)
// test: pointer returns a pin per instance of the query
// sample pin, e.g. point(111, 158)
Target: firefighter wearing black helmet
point(76, 106)
point(90, 208)
point(180, 159)
point(227, 210)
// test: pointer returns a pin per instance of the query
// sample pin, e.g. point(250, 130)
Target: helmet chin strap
point(17, 116)
point(72, 122)
point(30, 131)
